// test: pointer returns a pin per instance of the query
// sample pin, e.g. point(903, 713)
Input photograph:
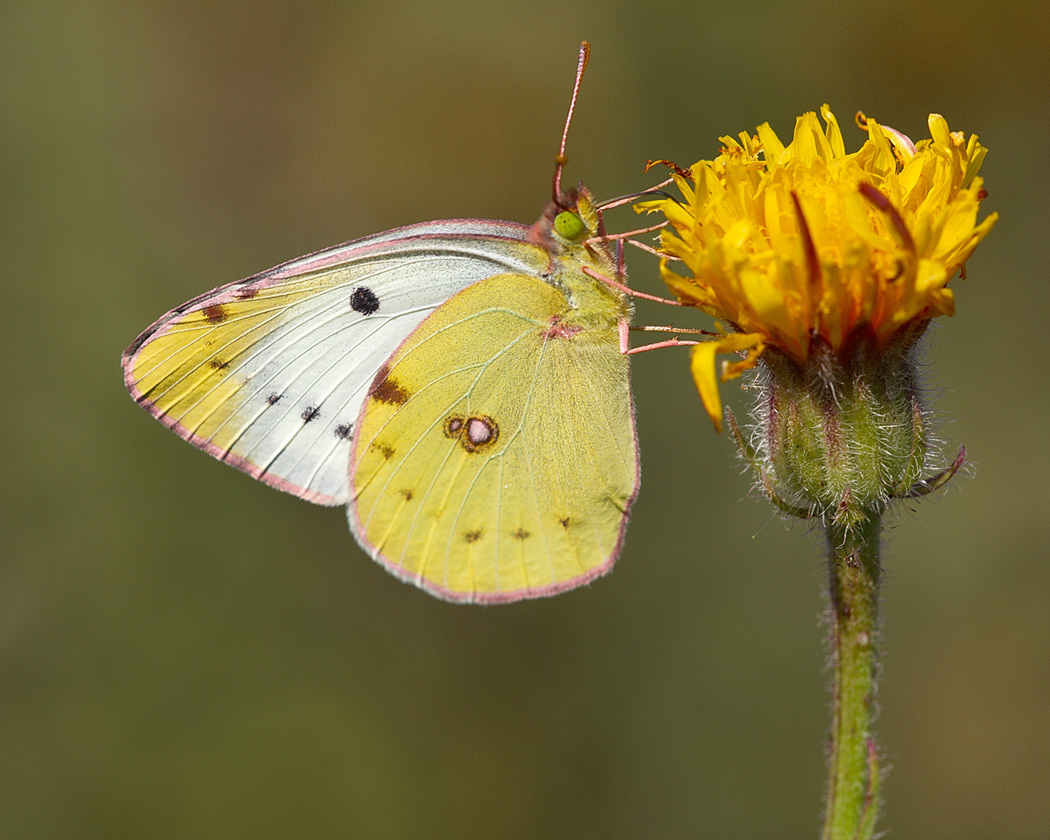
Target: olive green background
point(185, 653)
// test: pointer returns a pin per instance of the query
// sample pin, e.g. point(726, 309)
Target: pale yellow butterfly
point(462, 386)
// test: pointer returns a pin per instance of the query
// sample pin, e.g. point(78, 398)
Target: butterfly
point(461, 386)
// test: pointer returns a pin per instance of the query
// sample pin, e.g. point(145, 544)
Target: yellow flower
point(799, 244)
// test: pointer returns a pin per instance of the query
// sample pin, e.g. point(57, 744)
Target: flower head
point(804, 247)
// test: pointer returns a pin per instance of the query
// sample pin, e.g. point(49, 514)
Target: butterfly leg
point(625, 343)
point(627, 290)
point(671, 342)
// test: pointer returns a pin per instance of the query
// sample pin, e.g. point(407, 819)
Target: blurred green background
point(185, 653)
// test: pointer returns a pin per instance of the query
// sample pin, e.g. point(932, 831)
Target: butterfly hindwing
point(496, 457)
point(269, 374)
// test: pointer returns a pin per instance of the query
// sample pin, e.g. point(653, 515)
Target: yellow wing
point(496, 457)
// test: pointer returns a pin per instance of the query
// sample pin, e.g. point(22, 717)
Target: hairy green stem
point(853, 771)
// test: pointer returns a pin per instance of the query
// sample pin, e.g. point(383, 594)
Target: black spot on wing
point(364, 300)
point(312, 412)
point(386, 389)
point(384, 449)
point(274, 398)
point(218, 364)
point(215, 314)
point(472, 536)
point(521, 534)
point(344, 431)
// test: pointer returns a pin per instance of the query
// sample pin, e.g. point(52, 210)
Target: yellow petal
point(702, 366)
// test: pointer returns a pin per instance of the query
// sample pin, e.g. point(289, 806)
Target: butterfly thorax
point(568, 230)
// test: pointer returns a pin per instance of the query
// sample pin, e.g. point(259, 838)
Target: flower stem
point(853, 771)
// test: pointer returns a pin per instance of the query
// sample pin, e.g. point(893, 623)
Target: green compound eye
point(569, 225)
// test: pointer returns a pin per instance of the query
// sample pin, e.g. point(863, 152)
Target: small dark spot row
point(344, 431)
point(521, 534)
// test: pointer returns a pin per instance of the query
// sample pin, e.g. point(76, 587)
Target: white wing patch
point(270, 373)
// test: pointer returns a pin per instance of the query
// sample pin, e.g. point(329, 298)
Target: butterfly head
point(573, 219)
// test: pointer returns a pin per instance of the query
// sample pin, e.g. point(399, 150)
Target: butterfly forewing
point(269, 374)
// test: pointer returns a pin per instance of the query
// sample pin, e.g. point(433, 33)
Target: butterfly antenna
point(627, 199)
point(561, 159)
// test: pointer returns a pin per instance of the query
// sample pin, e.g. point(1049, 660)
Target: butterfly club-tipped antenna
point(627, 199)
point(561, 159)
